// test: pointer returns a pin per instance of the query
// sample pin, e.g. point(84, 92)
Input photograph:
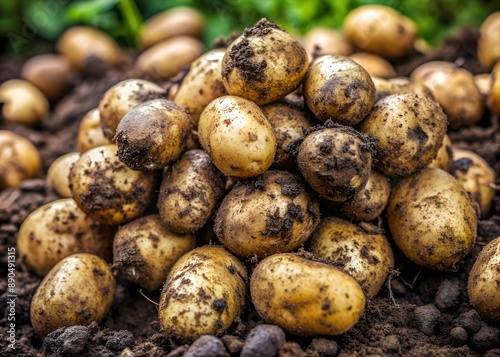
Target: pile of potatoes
point(264, 179)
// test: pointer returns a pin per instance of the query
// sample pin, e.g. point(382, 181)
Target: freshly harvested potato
point(237, 137)
point(488, 44)
point(165, 59)
point(304, 297)
point(338, 88)
point(178, 21)
point(369, 202)
point(190, 191)
point(269, 214)
point(409, 129)
point(50, 73)
point(484, 279)
point(58, 173)
point(493, 100)
point(432, 219)
point(476, 176)
point(107, 190)
point(321, 41)
point(22, 102)
point(444, 156)
point(484, 82)
point(399, 85)
point(336, 161)
point(79, 290)
point(123, 97)
point(264, 64)
point(376, 66)
point(58, 229)
point(380, 30)
point(202, 84)
point(363, 253)
point(203, 294)
point(145, 250)
point(19, 160)
point(152, 135)
point(90, 133)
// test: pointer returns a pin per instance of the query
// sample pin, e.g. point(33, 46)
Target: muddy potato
point(444, 156)
point(488, 44)
point(338, 88)
point(106, 189)
point(304, 297)
point(90, 133)
point(145, 250)
point(493, 100)
point(409, 129)
point(321, 41)
point(484, 279)
point(266, 215)
point(363, 253)
point(203, 294)
point(152, 135)
point(432, 219)
point(376, 66)
point(58, 173)
point(264, 64)
point(22, 102)
point(79, 290)
point(237, 137)
point(19, 160)
point(58, 229)
point(190, 191)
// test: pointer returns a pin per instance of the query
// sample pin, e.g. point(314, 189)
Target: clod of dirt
point(426, 318)
point(291, 349)
point(119, 340)
point(66, 341)
point(486, 338)
point(233, 343)
point(207, 346)
point(448, 294)
point(469, 320)
point(458, 336)
point(323, 347)
point(391, 343)
point(263, 340)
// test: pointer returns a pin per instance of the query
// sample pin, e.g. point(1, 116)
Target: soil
point(419, 312)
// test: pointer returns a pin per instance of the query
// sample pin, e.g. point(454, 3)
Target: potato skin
point(488, 46)
point(90, 133)
point(203, 294)
point(58, 173)
point(376, 66)
point(23, 103)
point(444, 156)
point(432, 219)
point(77, 291)
point(304, 297)
point(320, 41)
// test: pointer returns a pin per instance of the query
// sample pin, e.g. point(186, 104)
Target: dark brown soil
point(424, 313)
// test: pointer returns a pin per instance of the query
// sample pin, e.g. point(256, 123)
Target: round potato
point(145, 250)
point(22, 102)
point(79, 290)
point(203, 294)
point(432, 219)
point(488, 46)
point(266, 215)
point(376, 66)
point(90, 133)
point(304, 297)
point(444, 156)
point(58, 174)
point(320, 41)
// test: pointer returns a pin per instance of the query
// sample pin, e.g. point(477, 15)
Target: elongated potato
point(203, 294)
point(305, 297)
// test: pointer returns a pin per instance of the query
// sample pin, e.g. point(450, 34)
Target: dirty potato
point(444, 156)
point(58, 173)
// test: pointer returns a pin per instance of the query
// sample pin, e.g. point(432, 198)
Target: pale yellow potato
point(203, 294)
point(376, 66)
point(493, 100)
point(304, 297)
point(321, 41)
point(488, 44)
point(399, 85)
point(484, 82)
point(79, 290)
point(58, 174)
point(444, 156)
point(237, 137)
point(432, 219)
point(145, 250)
point(90, 133)
point(23, 103)
point(58, 229)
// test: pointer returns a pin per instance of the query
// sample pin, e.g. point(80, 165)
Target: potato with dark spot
point(22, 102)
point(145, 250)
point(320, 41)
point(488, 45)
point(203, 294)
point(58, 173)
point(269, 214)
point(338, 88)
point(432, 219)
point(444, 156)
point(376, 66)
point(90, 133)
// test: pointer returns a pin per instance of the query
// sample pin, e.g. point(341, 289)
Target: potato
point(375, 65)
point(320, 41)
point(380, 30)
point(152, 135)
point(237, 137)
point(106, 189)
point(336, 161)
point(266, 215)
point(432, 219)
point(79, 290)
point(202, 84)
point(444, 156)
point(58, 229)
point(476, 176)
point(264, 64)
point(484, 82)
point(493, 100)
point(488, 45)
point(145, 250)
point(90, 133)
point(369, 202)
point(338, 88)
point(409, 129)
point(363, 253)
point(399, 85)
point(304, 297)
point(484, 280)
point(22, 102)
point(19, 160)
point(58, 173)
point(165, 59)
point(203, 294)
point(178, 21)
point(190, 191)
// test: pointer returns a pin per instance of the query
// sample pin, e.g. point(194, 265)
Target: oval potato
point(58, 173)
point(22, 102)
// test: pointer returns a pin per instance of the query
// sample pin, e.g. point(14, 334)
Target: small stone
point(448, 294)
point(470, 321)
point(426, 318)
point(323, 347)
point(391, 343)
point(459, 336)
point(263, 340)
point(398, 287)
point(487, 338)
point(207, 346)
